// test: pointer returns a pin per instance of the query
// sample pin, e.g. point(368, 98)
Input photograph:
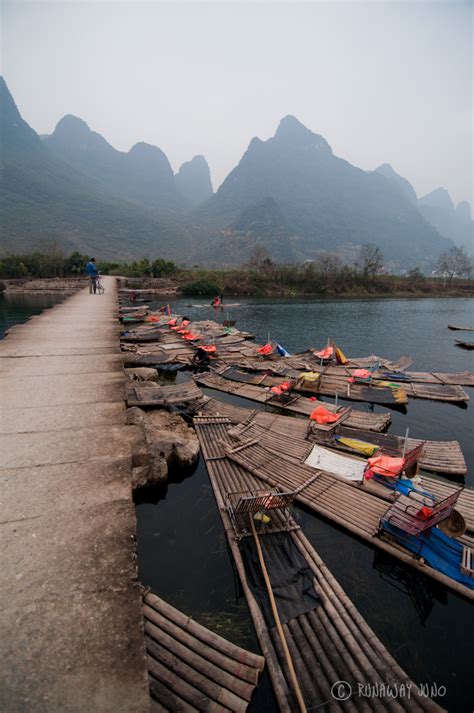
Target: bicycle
point(100, 289)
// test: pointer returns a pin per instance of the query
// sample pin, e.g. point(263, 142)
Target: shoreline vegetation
point(325, 278)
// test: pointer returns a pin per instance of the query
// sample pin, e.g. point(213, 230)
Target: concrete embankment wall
point(71, 622)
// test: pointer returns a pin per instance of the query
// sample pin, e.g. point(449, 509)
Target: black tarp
point(290, 576)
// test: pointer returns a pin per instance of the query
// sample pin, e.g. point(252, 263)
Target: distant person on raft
point(216, 302)
point(91, 272)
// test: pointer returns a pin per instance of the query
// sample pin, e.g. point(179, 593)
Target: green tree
point(75, 264)
point(12, 266)
point(161, 268)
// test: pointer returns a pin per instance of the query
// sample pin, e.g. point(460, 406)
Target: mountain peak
point(193, 180)
point(14, 131)
point(404, 186)
point(439, 198)
point(71, 126)
point(290, 123)
point(74, 134)
point(463, 211)
point(386, 169)
point(292, 131)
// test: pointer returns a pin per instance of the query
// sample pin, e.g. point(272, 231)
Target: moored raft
point(190, 667)
point(148, 394)
point(355, 509)
point(460, 328)
point(328, 640)
point(299, 405)
point(438, 456)
point(273, 431)
point(464, 345)
point(323, 385)
point(331, 380)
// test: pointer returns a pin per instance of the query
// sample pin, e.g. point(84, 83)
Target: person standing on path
point(91, 271)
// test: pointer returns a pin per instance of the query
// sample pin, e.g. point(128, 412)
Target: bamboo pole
point(156, 706)
point(181, 688)
point(161, 694)
point(276, 616)
point(279, 684)
point(232, 667)
point(350, 614)
point(204, 688)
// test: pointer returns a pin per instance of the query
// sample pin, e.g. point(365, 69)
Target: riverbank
point(46, 286)
point(287, 284)
point(245, 284)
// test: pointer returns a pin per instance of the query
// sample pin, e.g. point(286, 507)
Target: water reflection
point(17, 308)
point(422, 590)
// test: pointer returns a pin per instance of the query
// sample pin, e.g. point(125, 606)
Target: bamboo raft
point(272, 431)
point(328, 643)
point(460, 329)
point(464, 345)
point(354, 509)
point(334, 380)
point(438, 456)
point(299, 405)
point(190, 668)
point(308, 362)
point(325, 386)
point(151, 394)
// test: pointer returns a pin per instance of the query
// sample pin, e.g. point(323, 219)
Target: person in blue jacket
point(91, 271)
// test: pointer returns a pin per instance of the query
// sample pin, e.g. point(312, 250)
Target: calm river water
point(182, 547)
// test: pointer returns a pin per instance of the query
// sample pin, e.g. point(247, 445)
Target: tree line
point(53, 263)
point(260, 275)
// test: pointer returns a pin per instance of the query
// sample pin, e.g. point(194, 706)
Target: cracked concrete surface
point(71, 623)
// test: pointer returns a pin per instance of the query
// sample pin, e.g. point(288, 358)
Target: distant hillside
point(455, 223)
point(327, 203)
point(143, 175)
point(43, 198)
point(193, 181)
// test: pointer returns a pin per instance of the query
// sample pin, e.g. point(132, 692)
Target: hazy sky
point(381, 81)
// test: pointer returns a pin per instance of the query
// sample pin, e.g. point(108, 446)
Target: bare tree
point(370, 259)
point(328, 264)
point(259, 258)
point(454, 263)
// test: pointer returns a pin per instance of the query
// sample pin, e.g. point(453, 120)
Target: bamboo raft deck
point(328, 643)
point(325, 386)
point(151, 394)
point(272, 431)
point(354, 509)
point(299, 405)
point(307, 362)
point(443, 457)
point(334, 380)
point(190, 668)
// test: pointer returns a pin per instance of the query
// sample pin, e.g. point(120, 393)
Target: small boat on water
point(459, 328)
point(220, 306)
point(464, 345)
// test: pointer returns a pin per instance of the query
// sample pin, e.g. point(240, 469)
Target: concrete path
point(71, 623)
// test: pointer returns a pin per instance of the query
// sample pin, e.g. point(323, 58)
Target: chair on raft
point(416, 514)
point(321, 419)
point(386, 467)
point(283, 393)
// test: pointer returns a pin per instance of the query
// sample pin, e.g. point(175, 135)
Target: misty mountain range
point(290, 194)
